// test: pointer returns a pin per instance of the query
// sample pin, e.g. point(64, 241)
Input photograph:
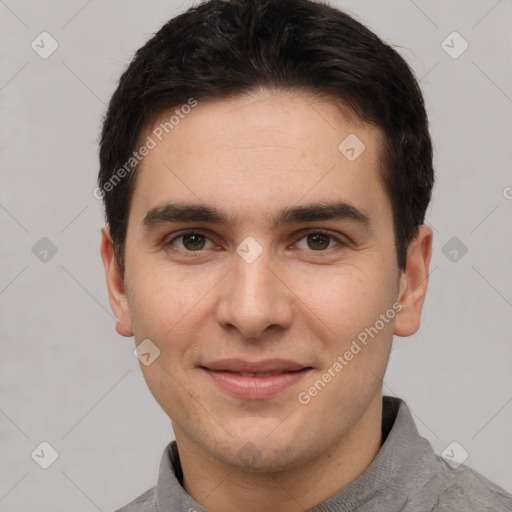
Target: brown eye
point(321, 241)
point(189, 241)
point(318, 241)
point(193, 241)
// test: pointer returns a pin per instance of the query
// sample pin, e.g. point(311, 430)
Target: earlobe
point(115, 285)
point(413, 283)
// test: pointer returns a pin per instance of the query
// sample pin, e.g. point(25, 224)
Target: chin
point(260, 454)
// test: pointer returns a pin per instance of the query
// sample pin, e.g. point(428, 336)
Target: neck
point(223, 488)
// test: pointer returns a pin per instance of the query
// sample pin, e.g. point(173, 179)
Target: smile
point(255, 380)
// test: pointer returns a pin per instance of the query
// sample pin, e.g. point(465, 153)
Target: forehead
point(259, 152)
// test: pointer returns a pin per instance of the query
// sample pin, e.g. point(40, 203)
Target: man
point(266, 167)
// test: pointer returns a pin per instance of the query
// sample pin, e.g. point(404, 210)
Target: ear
point(413, 283)
point(115, 285)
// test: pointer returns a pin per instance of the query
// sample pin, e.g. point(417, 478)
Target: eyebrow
point(191, 212)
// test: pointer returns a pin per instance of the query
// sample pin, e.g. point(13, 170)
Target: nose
point(254, 298)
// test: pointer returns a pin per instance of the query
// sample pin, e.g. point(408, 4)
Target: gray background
point(67, 378)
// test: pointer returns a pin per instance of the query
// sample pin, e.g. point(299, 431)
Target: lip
point(255, 380)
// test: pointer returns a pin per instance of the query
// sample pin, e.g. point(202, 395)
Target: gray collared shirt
point(405, 476)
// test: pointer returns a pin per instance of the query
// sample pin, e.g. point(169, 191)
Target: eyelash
point(341, 243)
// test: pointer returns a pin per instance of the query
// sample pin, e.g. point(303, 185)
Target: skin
point(248, 156)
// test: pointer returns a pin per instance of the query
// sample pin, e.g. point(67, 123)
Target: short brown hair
point(223, 48)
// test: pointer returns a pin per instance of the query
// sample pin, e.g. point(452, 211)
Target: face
point(258, 255)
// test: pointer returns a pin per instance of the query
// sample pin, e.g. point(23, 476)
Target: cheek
point(163, 300)
point(346, 301)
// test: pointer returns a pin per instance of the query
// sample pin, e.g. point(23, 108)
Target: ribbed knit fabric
point(405, 476)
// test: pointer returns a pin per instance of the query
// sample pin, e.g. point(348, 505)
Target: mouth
point(255, 380)
point(260, 375)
